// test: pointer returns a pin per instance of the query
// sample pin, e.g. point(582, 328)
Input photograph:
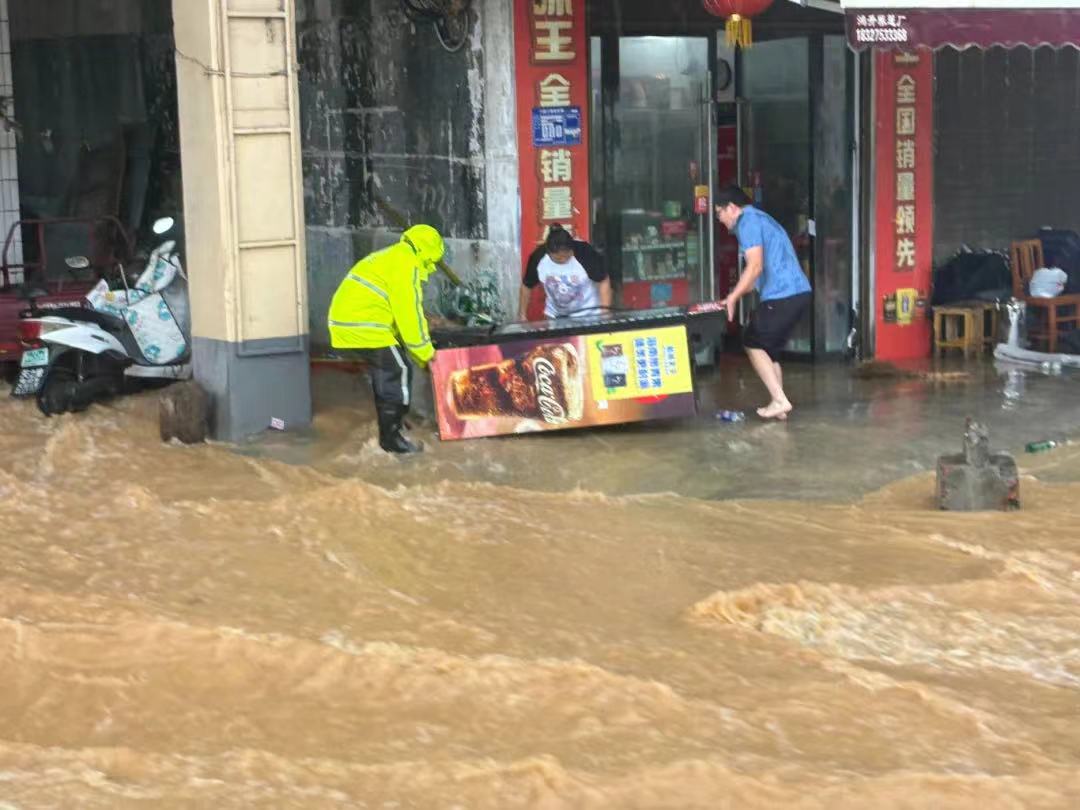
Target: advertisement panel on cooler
point(562, 383)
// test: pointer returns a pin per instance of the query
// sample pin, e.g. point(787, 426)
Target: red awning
point(871, 25)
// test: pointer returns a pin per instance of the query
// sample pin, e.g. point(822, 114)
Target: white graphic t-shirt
point(569, 289)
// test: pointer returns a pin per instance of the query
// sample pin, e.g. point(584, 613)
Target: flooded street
point(692, 615)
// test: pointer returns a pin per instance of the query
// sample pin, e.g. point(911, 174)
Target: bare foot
point(775, 410)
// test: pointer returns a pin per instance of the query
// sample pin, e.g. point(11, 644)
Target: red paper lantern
point(738, 13)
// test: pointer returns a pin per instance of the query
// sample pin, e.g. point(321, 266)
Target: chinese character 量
point(556, 165)
point(905, 154)
point(905, 186)
point(558, 204)
point(555, 91)
point(905, 219)
point(905, 89)
point(553, 8)
point(905, 253)
point(552, 40)
point(905, 121)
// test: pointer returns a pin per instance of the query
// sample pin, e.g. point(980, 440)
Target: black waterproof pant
point(391, 381)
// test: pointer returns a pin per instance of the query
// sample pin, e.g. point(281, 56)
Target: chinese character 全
point(557, 203)
point(551, 41)
point(556, 165)
point(553, 8)
point(905, 186)
point(905, 154)
point(555, 91)
point(905, 219)
point(905, 253)
point(905, 89)
point(905, 121)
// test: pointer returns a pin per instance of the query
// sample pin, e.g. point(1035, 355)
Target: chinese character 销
point(905, 154)
point(556, 165)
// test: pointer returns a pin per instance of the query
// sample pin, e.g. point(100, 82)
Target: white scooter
point(76, 355)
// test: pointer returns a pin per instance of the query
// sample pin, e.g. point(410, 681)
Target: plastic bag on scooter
point(155, 330)
point(112, 302)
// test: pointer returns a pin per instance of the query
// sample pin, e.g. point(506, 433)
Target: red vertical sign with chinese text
point(904, 216)
point(552, 56)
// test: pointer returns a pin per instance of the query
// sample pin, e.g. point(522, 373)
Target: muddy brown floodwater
point(197, 627)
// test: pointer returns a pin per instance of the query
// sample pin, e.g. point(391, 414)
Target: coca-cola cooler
point(563, 374)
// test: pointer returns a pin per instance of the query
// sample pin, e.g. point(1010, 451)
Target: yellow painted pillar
point(243, 210)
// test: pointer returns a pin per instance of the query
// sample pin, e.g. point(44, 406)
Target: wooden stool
point(964, 326)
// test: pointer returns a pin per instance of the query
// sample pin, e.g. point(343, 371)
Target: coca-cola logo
point(551, 409)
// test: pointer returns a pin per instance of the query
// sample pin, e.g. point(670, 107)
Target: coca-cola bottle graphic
point(544, 383)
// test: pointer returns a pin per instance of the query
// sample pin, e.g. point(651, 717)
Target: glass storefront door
point(662, 248)
point(795, 136)
point(775, 148)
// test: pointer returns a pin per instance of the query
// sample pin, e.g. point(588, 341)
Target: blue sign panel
point(556, 126)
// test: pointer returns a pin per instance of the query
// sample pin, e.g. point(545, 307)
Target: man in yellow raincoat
point(377, 315)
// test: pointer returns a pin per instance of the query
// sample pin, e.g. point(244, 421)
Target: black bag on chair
point(972, 275)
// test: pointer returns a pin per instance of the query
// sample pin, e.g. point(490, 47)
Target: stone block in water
point(977, 479)
point(184, 413)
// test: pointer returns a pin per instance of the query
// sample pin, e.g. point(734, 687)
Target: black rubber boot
point(390, 437)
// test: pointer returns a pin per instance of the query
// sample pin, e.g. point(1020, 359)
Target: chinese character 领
point(905, 219)
point(905, 121)
point(556, 165)
point(553, 8)
point(552, 41)
point(905, 186)
point(555, 91)
point(557, 203)
point(905, 154)
point(905, 89)
point(905, 253)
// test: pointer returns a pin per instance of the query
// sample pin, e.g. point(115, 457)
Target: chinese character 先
point(555, 91)
point(905, 219)
point(905, 186)
point(905, 154)
point(553, 8)
point(557, 203)
point(905, 121)
point(556, 165)
point(905, 253)
point(905, 89)
point(552, 41)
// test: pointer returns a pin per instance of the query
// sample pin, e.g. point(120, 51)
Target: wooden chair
point(1056, 314)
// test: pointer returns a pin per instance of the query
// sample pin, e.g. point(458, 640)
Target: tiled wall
point(9, 167)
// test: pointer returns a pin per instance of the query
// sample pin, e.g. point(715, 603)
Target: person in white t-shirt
point(572, 274)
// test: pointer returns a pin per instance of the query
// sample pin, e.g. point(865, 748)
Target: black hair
point(558, 240)
point(729, 195)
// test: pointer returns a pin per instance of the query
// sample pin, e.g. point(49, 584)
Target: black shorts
point(773, 322)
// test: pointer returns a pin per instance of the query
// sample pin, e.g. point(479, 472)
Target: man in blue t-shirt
point(773, 269)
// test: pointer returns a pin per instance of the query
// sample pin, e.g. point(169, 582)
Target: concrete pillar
point(243, 210)
point(9, 166)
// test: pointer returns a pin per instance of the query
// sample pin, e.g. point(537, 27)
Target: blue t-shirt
point(781, 275)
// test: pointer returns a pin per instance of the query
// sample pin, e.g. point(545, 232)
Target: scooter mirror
point(77, 262)
point(163, 225)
